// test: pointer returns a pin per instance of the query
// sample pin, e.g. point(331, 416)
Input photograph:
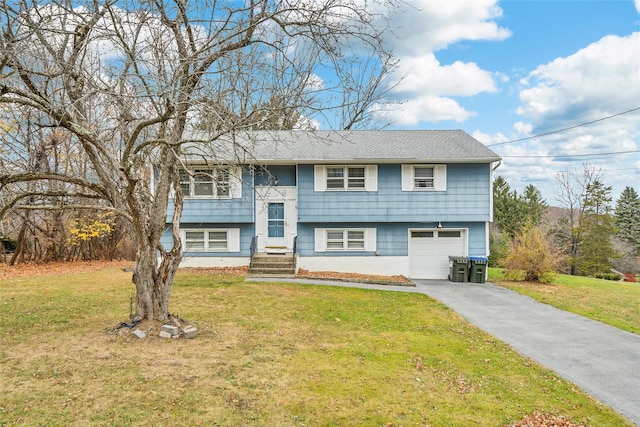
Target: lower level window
point(345, 240)
point(206, 240)
point(195, 240)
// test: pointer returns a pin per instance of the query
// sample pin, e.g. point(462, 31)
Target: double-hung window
point(222, 182)
point(346, 178)
point(218, 240)
point(329, 239)
point(203, 183)
point(335, 178)
point(205, 240)
point(335, 240)
point(206, 182)
point(423, 178)
point(355, 239)
point(195, 241)
point(211, 240)
point(342, 240)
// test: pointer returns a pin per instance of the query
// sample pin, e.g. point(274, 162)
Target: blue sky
point(507, 70)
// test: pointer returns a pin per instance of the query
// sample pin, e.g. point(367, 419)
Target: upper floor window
point(346, 178)
point(424, 177)
point(207, 182)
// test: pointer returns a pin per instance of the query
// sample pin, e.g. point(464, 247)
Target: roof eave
point(375, 161)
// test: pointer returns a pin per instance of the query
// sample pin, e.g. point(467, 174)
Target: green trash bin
point(477, 269)
point(458, 268)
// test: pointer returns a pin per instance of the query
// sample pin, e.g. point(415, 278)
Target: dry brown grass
point(267, 354)
point(34, 269)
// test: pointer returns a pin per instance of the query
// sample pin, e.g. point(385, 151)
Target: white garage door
point(429, 252)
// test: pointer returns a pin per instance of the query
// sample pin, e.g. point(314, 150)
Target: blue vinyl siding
point(210, 210)
point(286, 175)
point(467, 198)
point(392, 239)
point(247, 231)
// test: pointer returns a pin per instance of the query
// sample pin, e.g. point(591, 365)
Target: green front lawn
point(267, 355)
point(611, 302)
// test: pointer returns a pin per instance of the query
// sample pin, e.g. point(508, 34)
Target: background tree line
point(585, 235)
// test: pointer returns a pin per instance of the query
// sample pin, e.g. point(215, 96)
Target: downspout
point(487, 232)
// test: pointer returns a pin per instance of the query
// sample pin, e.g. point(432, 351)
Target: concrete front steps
point(272, 265)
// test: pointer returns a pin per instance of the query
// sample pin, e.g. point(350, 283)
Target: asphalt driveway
point(604, 361)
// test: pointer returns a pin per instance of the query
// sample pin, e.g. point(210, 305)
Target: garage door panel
point(429, 252)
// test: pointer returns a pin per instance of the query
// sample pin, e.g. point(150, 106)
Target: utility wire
point(564, 129)
point(547, 156)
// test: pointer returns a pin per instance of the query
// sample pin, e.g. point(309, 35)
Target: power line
point(564, 129)
point(549, 156)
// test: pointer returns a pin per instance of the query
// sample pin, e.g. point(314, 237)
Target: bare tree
point(123, 79)
point(573, 188)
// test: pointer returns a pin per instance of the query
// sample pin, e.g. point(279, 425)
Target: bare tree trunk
point(143, 278)
point(153, 283)
point(20, 246)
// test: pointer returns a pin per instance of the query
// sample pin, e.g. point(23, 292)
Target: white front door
point(276, 218)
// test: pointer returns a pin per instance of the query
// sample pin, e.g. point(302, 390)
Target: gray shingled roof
point(374, 146)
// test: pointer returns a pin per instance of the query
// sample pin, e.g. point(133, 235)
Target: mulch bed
point(355, 277)
point(306, 274)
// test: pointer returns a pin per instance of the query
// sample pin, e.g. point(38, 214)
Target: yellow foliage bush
point(87, 229)
point(531, 257)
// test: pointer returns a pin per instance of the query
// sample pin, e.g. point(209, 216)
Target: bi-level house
point(377, 202)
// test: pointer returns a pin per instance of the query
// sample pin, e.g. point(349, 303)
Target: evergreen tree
point(596, 229)
point(534, 204)
point(627, 217)
point(511, 211)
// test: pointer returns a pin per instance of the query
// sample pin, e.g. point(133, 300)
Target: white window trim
point(439, 177)
point(233, 239)
point(370, 178)
point(234, 183)
point(321, 235)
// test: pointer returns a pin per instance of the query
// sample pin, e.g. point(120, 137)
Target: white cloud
point(426, 26)
point(637, 2)
point(597, 81)
point(424, 75)
point(423, 108)
point(426, 88)
point(523, 129)
point(315, 82)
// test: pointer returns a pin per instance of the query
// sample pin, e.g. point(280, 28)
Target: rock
point(171, 330)
point(190, 332)
point(165, 334)
point(139, 334)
